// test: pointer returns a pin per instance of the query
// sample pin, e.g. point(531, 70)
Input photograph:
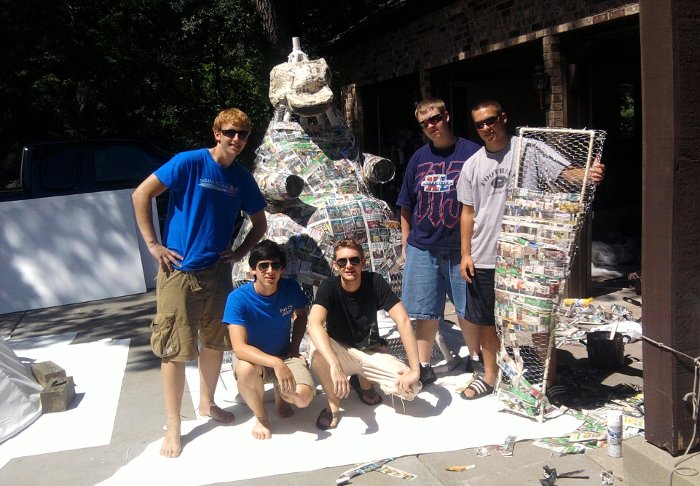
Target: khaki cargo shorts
point(189, 309)
point(298, 367)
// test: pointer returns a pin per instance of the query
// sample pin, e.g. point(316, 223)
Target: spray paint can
point(614, 433)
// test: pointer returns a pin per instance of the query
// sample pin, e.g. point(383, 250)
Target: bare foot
point(261, 429)
point(217, 414)
point(171, 442)
point(283, 409)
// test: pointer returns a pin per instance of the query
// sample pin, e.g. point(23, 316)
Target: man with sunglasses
point(349, 344)
point(259, 317)
point(430, 215)
point(208, 188)
point(482, 190)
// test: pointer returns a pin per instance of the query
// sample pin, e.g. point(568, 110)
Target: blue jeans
point(428, 276)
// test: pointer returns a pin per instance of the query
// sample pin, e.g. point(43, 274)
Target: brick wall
point(462, 30)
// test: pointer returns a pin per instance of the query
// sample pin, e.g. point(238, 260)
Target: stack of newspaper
point(333, 201)
point(535, 249)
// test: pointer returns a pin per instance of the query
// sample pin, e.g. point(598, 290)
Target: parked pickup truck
point(60, 168)
point(75, 167)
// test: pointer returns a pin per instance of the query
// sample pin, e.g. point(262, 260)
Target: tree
point(150, 69)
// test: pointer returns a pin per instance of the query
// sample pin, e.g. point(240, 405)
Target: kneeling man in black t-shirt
point(350, 343)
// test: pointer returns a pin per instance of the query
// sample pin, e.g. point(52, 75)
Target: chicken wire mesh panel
point(395, 347)
point(558, 160)
point(548, 199)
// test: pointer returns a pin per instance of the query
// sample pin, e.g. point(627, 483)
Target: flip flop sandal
point(368, 397)
point(480, 389)
point(328, 417)
point(556, 394)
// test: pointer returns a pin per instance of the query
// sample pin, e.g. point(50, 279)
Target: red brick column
point(552, 66)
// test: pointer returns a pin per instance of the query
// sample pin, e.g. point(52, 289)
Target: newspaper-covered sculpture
point(317, 183)
point(543, 216)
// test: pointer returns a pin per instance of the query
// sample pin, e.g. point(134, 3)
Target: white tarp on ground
point(20, 404)
point(68, 249)
point(90, 419)
point(436, 421)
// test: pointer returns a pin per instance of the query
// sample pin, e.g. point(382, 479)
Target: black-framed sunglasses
point(263, 266)
point(231, 133)
point(433, 120)
point(489, 122)
point(343, 262)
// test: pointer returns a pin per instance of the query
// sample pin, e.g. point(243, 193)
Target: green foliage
point(157, 70)
point(627, 114)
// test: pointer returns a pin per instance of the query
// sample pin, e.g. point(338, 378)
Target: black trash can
point(605, 353)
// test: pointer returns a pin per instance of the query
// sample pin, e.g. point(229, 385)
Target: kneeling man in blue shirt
point(259, 316)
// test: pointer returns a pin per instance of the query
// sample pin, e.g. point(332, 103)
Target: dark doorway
point(603, 91)
point(505, 75)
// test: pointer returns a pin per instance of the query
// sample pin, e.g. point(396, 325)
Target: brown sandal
point(368, 397)
point(329, 417)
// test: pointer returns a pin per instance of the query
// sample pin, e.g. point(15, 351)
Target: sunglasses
point(433, 120)
point(263, 266)
point(231, 133)
point(343, 262)
point(489, 122)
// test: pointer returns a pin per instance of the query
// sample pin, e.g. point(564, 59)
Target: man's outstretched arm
point(259, 222)
point(141, 198)
point(408, 339)
point(575, 175)
point(322, 343)
point(251, 354)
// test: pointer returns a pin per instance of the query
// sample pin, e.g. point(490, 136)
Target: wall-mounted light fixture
point(540, 81)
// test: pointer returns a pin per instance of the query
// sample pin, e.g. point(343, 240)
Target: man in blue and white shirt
point(208, 189)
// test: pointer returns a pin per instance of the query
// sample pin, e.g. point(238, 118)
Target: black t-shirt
point(352, 316)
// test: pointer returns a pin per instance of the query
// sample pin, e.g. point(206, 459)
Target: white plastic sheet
point(20, 404)
point(68, 249)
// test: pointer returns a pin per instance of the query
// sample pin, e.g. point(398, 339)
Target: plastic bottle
point(614, 433)
point(578, 302)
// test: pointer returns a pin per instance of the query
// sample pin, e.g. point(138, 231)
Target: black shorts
point(481, 297)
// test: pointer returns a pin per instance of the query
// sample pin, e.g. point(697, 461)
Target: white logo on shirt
point(229, 189)
point(436, 183)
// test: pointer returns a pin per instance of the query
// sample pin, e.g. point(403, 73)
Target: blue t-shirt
point(205, 201)
point(429, 192)
point(267, 319)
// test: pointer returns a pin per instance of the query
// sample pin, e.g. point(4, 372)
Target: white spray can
point(614, 433)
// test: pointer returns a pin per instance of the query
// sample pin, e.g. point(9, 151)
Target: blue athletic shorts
point(428, 276)
point(481, 297)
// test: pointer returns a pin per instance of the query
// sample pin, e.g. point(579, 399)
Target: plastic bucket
point(605, 353)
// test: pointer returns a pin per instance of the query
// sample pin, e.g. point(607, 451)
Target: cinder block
point(46, 371)
point(58, 395)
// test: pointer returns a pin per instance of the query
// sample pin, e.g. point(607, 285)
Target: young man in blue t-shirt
point(259, 317)
point(207, 191)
